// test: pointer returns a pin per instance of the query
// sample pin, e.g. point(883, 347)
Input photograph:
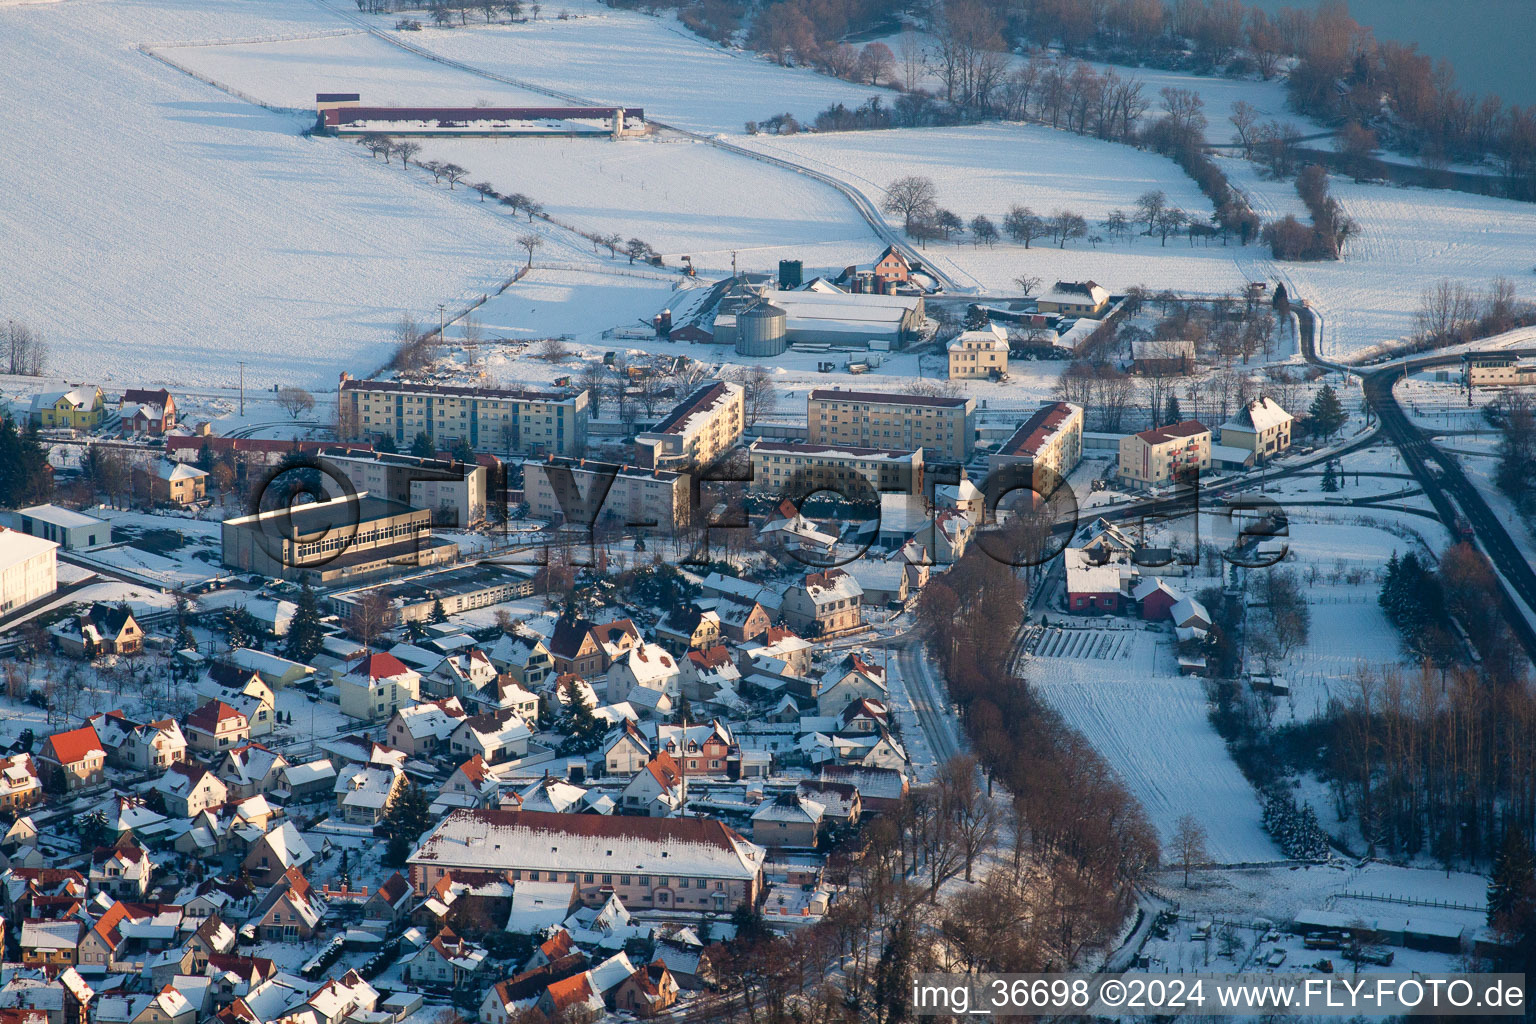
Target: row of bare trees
point(25, 350)
point(1451, 312)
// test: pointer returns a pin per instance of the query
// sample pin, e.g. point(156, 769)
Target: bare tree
point(295, 401)
point(758, 396)
point(28, 350)
point(377, 144)
point(913, 197)
point(590, 379)
point(1028, 283)
point(1023, 224)
point(530, 242)
point(1149, 205)
point(405, 150)
point(637, 248)
point(485, 188)
point(553, 350)
point(1245, 117)
point(370, 616)
point(1188, 845)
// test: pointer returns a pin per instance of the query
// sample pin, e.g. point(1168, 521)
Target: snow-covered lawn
point(985, 169)
point(179, 229)
point(1150, 725)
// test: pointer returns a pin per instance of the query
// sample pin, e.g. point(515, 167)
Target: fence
point(1407, 901)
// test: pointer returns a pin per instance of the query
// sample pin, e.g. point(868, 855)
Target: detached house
point(588, 648)
point(153, 745)
point(271, 856)
point(824, 603)
point(376, 687)
point(645, 666)
point(852, 680)
point(101, 630)
point(423, 730)
point(470, 785)
point(447, 962)
point(496, 736)
point(72, 760)
point(657, 790)
point(122, 871)
point(1260, 427)
point(469, 676)
point(649, 991)
point(251, 770)
point(788, 820)
point(524, 658)
point(79, 408)
point(171, 483)
point(20, 784)
point(190, 789)
point(147, 412)
point(289, 912)
point(216, 726)
point(364, 792)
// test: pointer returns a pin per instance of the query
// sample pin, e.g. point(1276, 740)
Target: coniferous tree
point(422, 446)
point(1512, 885)
point(305, 632)
point(438, 614)
point(1330, 477)
point(1171, 411)
point(1326, 414)
point(386, 444)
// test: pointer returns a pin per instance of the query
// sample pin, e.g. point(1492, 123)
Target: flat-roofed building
point(869, 419)
point(795, 469)
point(1050, 443)
point(586, 491)
point(1487, 370)
point(826, 317)
point(67, 528)
point(1154, 456)
point(334, 541)
point(28, 569)
point(698, 430)
point(454, 492)
point(529, 422)
point(459, 589)
point(692, 864)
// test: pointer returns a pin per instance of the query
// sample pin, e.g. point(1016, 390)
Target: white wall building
point(28, 569)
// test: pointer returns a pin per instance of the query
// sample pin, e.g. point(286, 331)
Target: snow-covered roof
point(539, 905)
point(501, 840)
point(994, 340)
point(57, 515)
point(17, 547)
point(1258, 415)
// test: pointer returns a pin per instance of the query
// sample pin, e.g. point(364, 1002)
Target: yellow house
point(79, 408)
point(978, 354)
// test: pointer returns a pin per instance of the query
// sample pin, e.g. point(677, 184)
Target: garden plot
point(185, 229)
point(985, 169)
point(1100, 644)
point(1150, 725)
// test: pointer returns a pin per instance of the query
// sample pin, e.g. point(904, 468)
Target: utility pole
point(242, 388)
point(442, 324)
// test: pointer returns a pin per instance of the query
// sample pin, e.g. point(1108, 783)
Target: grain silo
point(762, 329)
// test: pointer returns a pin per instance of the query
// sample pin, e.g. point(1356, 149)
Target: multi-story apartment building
point(697, 431)
point(795, 470)
point(28, 569)
point(588, 492)
point(454, 492)
point(1156, 455)
point(1050, 443)
point(693, 864)
point(529, 422)
point(945, 427)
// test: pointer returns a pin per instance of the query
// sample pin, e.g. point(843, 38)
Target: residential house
point(122, 870)
point(447, 962)
point(290, 911)
point(423, 730)
point(190, 789)
point(101, 630)
point(365, 792)
point(147, 412)
point(271, 856)
point(243, 689)
point(1047, 446)
point(657, 790)
point(376, 687)
point(710, 676)
point(21, 785)
point(166, 482)
point(470, 785)
point(1163, 357)
point(526, 659)
point(72, 760)
point(588, 648)
point(78, 408)
point(978, 355)
point(824, 604)
point(840, 803)
point(470, 676)
point(851, 680)
point(645, 666)
point(1260, 427)
point(539, 906)
point(50, 943)
point(688, 628)
point(625, 751)
point(741, 619)
point(1074, 298)
point(788, 819)
point(574, 1000)
point(496, 736)
point(390, 902)
point(152, 745)
point(251, 770)
point(299, 783)
point(701, 749)
point(216, 726)
point(881, 790)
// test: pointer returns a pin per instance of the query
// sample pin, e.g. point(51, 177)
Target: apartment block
point(1154, 456)
point(1050, 443)
point(454, 492)
point(698, 430)
point(588, 492)
point(778, 467)
point(528, 422)
point(945, 427)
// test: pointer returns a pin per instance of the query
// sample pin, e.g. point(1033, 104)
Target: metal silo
point(761, 330)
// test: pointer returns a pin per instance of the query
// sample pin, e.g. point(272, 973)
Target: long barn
point(341, 114)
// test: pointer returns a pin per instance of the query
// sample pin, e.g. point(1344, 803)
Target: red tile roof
point(74, 746)
point(379, 666)
point(208, 717)
point(1172, 432)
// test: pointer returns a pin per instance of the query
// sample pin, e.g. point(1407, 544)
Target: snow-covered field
point(1150, 725)
point(605, 56)
point(985, 169)
point(178, 230)
point(683, 197)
